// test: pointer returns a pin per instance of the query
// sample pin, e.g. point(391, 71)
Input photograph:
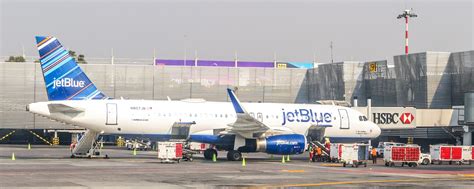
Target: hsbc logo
point(393, 118)
point(407, 118)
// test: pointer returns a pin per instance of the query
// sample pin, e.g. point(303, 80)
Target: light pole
point(406, 14)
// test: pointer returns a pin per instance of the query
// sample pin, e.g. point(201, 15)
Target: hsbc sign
point(393, 118)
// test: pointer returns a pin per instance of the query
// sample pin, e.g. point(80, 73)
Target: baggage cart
point(406, 155)
point(446, 153)
point(335, 152)
point(170, 152)
point(353, 154)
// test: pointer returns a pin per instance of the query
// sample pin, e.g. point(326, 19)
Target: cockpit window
point(363, 118)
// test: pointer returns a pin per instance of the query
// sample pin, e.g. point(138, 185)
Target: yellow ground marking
point(467, 175)
point(369, 181)
point(293, 171)
point(331, 165)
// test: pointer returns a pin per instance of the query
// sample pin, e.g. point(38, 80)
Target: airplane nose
point(377, 130)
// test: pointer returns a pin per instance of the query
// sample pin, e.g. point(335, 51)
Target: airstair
point(319, 144)
point(88, 146)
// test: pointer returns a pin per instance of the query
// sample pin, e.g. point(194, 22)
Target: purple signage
point(214, 63)
point(217, 63)
point(174, 62)
point(256, 64)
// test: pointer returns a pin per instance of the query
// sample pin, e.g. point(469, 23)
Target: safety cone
point(13, 156)
point(288, 158)
point(282, 159)
point(134, 151)
point(214, 158)
point(29, 146)
point(243, 161)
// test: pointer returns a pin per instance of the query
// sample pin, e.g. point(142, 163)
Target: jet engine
point(282, 144)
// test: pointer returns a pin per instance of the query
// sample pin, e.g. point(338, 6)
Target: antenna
point(332, 57)
point(407, 14)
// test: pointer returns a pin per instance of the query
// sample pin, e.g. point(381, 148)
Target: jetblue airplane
point(236, 127)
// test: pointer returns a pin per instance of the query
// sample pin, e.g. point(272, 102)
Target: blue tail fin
point(64, 79)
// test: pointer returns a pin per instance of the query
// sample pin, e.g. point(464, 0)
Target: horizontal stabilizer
point(65, 109)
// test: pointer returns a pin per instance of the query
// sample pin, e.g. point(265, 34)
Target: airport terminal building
point(422, 92)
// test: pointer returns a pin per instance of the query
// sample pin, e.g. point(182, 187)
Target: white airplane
point(274, 128)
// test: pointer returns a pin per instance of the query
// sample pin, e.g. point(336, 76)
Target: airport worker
point(311, 153)
point(72, 146)
point(374, 155)
point(319, 153)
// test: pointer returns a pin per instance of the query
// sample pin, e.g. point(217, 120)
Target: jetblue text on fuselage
point(67, 82)
point(306, 115)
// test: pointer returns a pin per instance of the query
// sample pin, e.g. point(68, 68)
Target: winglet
point(235, 101)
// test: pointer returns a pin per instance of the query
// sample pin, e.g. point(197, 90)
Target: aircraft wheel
point(234, 155)
point(208, 154)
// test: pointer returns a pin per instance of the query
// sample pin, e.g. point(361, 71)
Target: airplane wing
point(245, 125)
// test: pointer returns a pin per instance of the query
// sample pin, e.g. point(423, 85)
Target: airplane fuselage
point(149, 117)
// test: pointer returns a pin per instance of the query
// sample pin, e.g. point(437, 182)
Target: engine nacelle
point(282, 144)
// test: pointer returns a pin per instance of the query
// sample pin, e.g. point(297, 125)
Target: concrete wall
point(337, 81)
point(462, 73)
point(421, 80)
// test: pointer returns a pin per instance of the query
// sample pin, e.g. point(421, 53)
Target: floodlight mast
point(406, 14)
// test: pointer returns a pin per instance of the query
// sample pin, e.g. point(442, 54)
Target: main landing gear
point(209, 153)
point(234, 155)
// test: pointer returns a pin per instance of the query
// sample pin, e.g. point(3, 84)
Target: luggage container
point(467, 154)
point(445, 153)
point(170, 151)
point(335, 153)
point(352, 154)
point(406, 155)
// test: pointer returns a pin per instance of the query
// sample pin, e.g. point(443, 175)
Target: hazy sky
point(294, 29)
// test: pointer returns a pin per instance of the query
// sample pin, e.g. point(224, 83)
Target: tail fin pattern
point(63, 77)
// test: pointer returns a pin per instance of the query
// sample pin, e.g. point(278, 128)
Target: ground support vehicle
point(405, 155)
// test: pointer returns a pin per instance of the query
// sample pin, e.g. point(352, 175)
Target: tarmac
point(51, 167)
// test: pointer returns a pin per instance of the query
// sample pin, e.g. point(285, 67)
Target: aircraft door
point(111, 114)
point(344, 119)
